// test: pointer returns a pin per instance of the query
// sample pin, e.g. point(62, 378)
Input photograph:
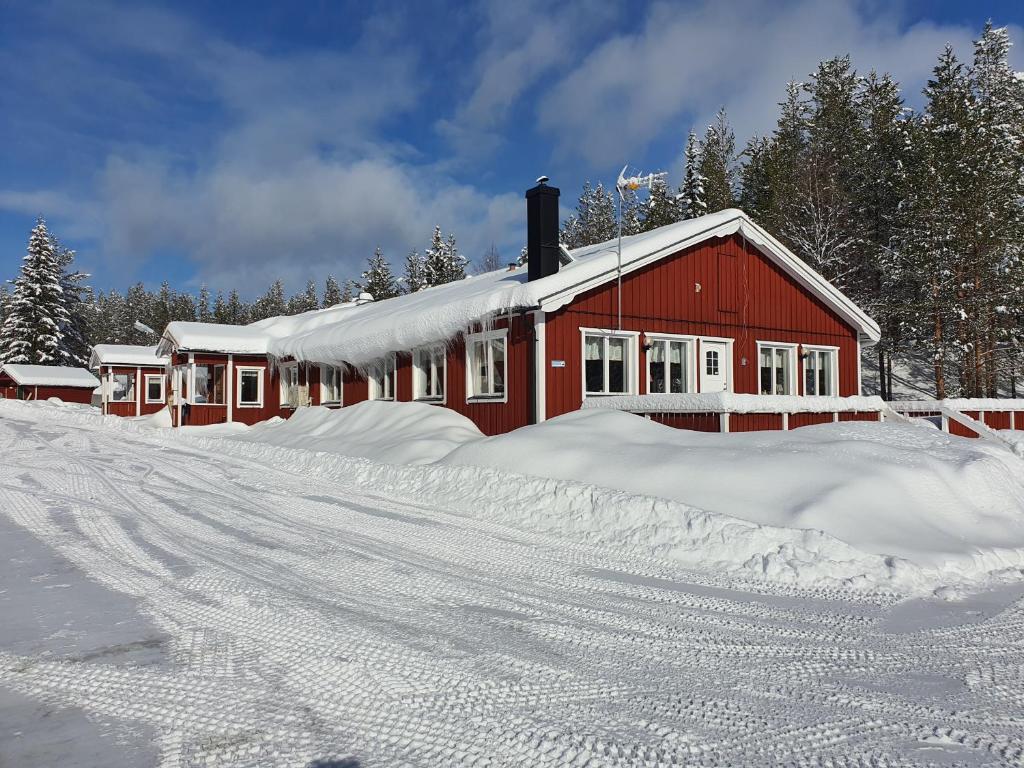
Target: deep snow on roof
point(49, 375)
point(359, 334)
point(125, 354)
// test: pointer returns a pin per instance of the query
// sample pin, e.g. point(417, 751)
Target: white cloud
point(688, 62)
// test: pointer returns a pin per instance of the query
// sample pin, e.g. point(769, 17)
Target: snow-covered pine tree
point(220, 309)
point(305, 301)
point(661, 207)
point(755, 188)
point(414, 279)
point(350, 291)
point(270, 304)
point(783, 161)
point(378, 279)
point(457, 263)
point(75, 347)
point(878, 201)
point(823, 226)
point(332, 292)
point(632, 213)
point(203, 312)
point(997, 281)
point(594, 221)
point(718, 164)
point(238, 311)
point(33, 329)
point(435, 260)
point(692, 202)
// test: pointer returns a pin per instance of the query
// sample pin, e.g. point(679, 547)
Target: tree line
point(917, 215)
point(50, 316)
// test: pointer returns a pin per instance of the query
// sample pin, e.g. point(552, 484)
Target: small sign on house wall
point(558, 363)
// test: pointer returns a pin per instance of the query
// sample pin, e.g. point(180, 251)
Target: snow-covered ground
point(183, 600)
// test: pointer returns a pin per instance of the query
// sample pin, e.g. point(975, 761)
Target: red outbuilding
point(20, 381)
point(664, 326)
point(134, 379)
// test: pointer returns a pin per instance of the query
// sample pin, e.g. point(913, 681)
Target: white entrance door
point(714, 366)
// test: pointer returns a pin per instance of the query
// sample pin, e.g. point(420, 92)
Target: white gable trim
point(868, 330)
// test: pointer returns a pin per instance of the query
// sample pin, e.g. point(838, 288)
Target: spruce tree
point(378, 280)
point(270, 304)
point(414, 278)
point(755, 188)
point(75, 347)
point(661, 208)
point(692, 201)
point(443, 263)
point(203, 312)
point(33, 328)
point(718, 164)
point(220, 309)
point(332, 292)
point(238, 311)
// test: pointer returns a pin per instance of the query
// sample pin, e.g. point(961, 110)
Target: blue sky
point(204, 143)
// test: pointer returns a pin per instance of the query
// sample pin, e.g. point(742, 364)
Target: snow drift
point(391, 433)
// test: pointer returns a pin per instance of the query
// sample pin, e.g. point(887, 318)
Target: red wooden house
point(709, 305)
point(41, 382)
point(134, 379)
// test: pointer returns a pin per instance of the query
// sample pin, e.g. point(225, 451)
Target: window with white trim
point(821, 371)
point(209, 385)
point(330, 384)
point(668, 365)
point(487, 365)
point(607, 363)
point(428, 372)
point(250, 387)
point(382, 379)
point(777, 364)
point(122, 388)
point(290, 385)
point(154, 388)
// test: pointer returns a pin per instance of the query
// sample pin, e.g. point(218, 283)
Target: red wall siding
point(769, 306)
point(355, 387)
point(797, 420)
point(858, 417)
point(998, 419)
point(754, 422)
point(67, 394)
point(699, 422)
point(128, 408)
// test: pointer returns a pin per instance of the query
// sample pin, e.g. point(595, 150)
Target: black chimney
point(542, 229)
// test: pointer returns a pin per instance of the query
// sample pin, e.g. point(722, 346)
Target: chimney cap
point(542, 179)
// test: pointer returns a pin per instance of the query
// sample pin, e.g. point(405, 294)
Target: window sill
point(428, 399)
point(250, 405)
point(487, 399)
point(609, 394)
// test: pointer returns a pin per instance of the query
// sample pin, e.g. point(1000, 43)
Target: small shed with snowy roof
point(19, 381)
point(134, 378)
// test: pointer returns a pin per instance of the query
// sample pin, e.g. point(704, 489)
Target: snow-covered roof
point(125, 354)
point(251, 339)
point(441, 312)
point(49, 376)
point(359, 333)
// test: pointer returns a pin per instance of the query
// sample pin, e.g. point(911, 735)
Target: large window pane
point(677, 366)
point(203, 377)
point(656, 366)
point(497, 366)
point(249, 387)
point(617, 365)
point(593, 360)
point(123, 388)
point(154, 389)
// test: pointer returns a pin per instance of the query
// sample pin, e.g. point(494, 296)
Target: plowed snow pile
point(392, 433)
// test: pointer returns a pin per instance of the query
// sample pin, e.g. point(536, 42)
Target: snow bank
point(886, 489)
point(887, 507)
point(390, 433)
point(717, 402)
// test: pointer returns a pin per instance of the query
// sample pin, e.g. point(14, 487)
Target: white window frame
point(487, 337)
point(793, 372)
point(135, 385)
point(285, 372)
point(632, 360)
point(324, 367)
point(441, 374)
point(147, 377)
point(239, 370)
point(375, 387)
point(834, 379)
point(691, 358)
